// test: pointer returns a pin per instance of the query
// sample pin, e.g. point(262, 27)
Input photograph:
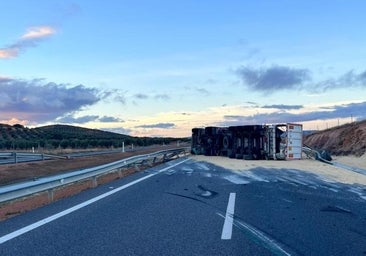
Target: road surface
point(186, 207)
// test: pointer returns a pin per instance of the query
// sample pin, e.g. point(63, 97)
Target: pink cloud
point(29, 39)
point(38, 33)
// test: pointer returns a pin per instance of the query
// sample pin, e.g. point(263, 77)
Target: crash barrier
point(250, 142)
point(323, 156)
point(17, 157)
point(11, 192)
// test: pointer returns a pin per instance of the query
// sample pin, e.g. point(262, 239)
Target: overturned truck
point(249, 142)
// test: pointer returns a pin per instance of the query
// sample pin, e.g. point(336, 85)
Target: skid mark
point(335, 208)
point(187, 170)
point(204, 192)
point(361, 192)
point(202, 166)
point(206, 174)
point(254, 177)
point(236, 179)
point(171, 172)
point(259, 237)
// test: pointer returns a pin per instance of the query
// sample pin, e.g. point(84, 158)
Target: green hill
point(18, 137)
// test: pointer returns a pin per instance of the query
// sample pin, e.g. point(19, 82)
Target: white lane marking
point(269, 243)
point(51, 218)
point(227, 229)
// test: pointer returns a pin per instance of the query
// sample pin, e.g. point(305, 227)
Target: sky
point(161, 68)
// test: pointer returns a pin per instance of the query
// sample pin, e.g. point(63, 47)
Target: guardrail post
point(50, 195)
point(95, 183)
point(136, 166)
point(15, 157)
point(119, 172)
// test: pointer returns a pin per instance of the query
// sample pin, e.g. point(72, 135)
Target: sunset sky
point(160, 68)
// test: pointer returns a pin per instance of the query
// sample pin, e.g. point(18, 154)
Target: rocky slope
point(348, 139)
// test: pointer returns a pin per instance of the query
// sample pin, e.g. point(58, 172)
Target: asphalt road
point(195, 208)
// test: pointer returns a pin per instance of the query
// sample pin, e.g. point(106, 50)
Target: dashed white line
point(42, 222)
point(227, 229)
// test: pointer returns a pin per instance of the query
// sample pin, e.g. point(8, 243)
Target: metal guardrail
point(315, 154)
point(17, 157)
point(19, 190)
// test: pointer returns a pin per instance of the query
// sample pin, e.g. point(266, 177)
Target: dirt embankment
point(348, 139)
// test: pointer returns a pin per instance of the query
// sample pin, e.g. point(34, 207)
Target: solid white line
point(42, 222)
point(227, 229)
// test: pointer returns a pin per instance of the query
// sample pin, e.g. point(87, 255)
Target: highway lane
point(184, 209)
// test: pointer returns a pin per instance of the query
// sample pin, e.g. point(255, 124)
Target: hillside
point(18, 137)
point(348, 139)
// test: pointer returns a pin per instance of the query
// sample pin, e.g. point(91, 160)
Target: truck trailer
point(250, 142)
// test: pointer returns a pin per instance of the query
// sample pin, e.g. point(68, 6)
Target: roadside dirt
point(12, 173)
point(348, 139)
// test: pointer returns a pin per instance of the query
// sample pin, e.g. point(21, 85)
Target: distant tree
point(40, 143)
point(20, 144)
point(74, 143)
point(84, 144)
point(18, 126)
point(9, 144)
point(54, 143)
point(93, 143)
point(64, 143)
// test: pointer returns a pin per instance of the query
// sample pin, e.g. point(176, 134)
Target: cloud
point(119, 130)
point(36, 33)
point(38, 101)
point(349, 79)
point(69, 119)
point(362, 77)
point(284, 107)
point(162, 97)
point(203, 91)
point(141, 96)
point(277, 78)
point(251, 103)
point(158, 125)
point(109, 119)
point(211, 81)
point(273, 78)
point(116, 94)
point(356, 110)
point(7, 53)
point(29, 39)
